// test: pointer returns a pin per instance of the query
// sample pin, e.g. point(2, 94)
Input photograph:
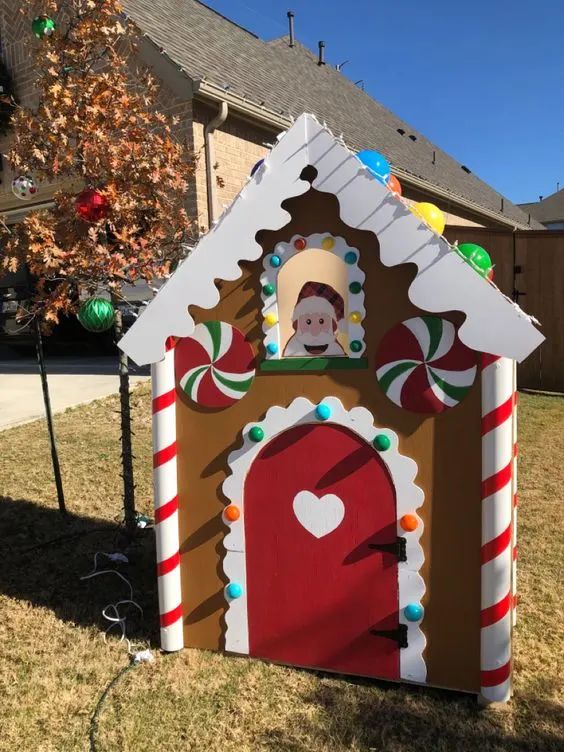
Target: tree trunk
point(126, 447)
point(49, 416)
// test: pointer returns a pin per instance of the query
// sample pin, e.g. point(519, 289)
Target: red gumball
point(91, 205)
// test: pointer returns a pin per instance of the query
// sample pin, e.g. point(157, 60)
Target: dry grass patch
point(54, 664)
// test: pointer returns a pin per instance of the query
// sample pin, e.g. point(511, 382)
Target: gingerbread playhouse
point(334, 421)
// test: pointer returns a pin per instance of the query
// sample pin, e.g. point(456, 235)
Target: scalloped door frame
point(408, 495)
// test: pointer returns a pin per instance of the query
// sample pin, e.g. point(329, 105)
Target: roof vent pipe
point(321, 60)
point(291, 28)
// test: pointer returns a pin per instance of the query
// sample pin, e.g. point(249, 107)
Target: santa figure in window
point(318, 314)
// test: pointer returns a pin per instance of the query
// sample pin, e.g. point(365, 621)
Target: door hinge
point(398, 548)
point(399, 634)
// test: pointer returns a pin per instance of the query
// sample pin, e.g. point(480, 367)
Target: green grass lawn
point(54, 664)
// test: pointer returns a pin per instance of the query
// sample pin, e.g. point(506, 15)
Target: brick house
point(235, 92)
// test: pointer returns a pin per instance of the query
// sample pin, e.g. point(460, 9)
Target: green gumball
point(96, 315)
point(477, 256)
point(42, 26)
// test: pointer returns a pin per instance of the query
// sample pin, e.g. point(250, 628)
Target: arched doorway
point(322, 574)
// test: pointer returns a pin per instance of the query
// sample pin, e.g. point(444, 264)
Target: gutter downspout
point(217, 122)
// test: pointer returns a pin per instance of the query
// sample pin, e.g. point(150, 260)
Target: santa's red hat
point(317, 297)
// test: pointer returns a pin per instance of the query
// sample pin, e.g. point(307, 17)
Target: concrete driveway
point(72, 381)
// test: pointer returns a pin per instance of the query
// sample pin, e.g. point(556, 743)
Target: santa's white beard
point(298, 343)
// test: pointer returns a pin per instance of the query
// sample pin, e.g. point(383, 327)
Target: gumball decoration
point(271, 319)
point(422, 366)
point(234, 590)
point(409, 522)
point(96, 315)
point(355, 287)
point(256, 434)
point(376, 163)
point(272, 348)
point(256, 166)
point(91, 205)
point(300, 244)
point(322, 411)
point(214, 365)
point(478, 258)
point(431, 215)
point(355, 317)
point(275, 261)
point(42, 26)
point(328, 243)
point(356, 345)
point(394, 185)
point(232, 513)
point(382, 442)
point(413, 612)
point(24, 187)
point(350, 258)
point(268, 289)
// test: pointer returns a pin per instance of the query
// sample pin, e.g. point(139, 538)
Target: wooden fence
point(529, 268)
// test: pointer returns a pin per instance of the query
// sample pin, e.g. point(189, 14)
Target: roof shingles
point(288, 80)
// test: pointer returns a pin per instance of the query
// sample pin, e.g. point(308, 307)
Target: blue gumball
point(376, 163)
point(323, 411)
point(413, 612)
point(234, 590)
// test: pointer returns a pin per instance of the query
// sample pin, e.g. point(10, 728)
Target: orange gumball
point(232, 513)
point(409, 522)
point(394, 185)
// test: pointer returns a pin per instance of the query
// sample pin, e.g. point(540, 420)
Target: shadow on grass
point(43, 556)
point(371, 715)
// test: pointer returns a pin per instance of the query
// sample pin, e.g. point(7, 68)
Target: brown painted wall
point(446, 449)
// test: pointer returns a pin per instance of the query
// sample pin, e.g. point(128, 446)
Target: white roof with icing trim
point(444, 281)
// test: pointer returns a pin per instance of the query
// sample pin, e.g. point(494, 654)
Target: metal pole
point(49, 416)
point(126, 441)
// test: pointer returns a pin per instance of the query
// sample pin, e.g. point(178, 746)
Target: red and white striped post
point(515, 497)
point(497, 527)
point(166, 500)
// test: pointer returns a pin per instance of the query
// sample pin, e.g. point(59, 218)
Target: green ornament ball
point(356, 346)
point(96, 315)
point(42, 26)
point(269, 289)
point(478, 257)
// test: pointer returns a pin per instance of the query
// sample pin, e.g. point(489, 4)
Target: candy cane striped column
point(166, 501)
point(515, 496)
point(497, 520)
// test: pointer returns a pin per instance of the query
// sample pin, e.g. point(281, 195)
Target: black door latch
point(399, 634)
point(398, 549)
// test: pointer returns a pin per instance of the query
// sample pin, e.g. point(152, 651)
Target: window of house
point(313, 305)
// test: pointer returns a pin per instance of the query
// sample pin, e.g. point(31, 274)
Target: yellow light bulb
point(355, 317)
point(271, 319)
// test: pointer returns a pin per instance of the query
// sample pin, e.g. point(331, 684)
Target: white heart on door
point(319, 516)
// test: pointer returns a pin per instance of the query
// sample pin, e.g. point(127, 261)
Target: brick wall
point(238, 146)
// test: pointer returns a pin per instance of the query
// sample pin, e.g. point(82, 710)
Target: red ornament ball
point(300, 244)
point(91, 205)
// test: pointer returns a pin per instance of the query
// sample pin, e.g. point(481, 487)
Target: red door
point(315, 498)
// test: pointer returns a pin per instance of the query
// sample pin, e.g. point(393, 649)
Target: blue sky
point(483, 79)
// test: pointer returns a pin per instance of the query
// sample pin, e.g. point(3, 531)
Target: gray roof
point(549, 209)
point(288, 81)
